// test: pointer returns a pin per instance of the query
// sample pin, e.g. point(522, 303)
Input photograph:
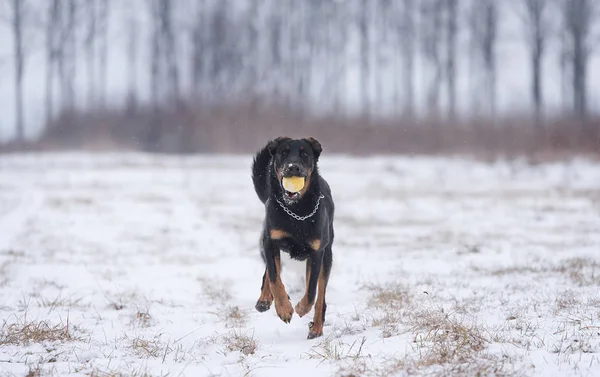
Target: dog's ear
point(272, 146)
point(316, 147)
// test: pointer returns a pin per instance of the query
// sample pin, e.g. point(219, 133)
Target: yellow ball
point(293, 184)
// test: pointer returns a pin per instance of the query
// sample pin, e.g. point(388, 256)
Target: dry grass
point(59, 301)
point(336, 350)
point(391, 300)
point(348, 327)
point(443, 339)
point(566, 300)
point(233, 316)
point(34, 371)
point(140, 372)
point(581, 271)
point(210, 129)
point(446, 343)
point(391, 296)
point(26, 332)
point(388, 321)
point(240, 341)
point(141, 318)
point(488, 366)
point(215, 291)
point(146, 348)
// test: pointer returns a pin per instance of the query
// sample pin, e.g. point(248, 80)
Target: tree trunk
point(69, 57)
point(19, 67)
point(536, 38)
point(364, 57)
point(170, 51)
point(430, 37)
point(104, 14)
point(579, 74)
point(451, 57)
point(578, 13)
point(132, 58)
point(155, 55)
point(536, 83)
point(489, 53)
point(90, 48)
point(198, 49)
point(408, 52)
point(51, 34)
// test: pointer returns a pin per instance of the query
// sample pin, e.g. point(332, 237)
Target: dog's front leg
point(283, 306)
point(313, 269)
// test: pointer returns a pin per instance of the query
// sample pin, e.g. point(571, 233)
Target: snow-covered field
point(128, 264)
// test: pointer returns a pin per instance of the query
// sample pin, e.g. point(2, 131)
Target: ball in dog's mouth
point(292, 186)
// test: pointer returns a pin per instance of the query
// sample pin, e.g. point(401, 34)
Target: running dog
point(299, 221)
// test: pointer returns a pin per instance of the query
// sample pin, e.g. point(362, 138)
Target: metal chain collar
point(301, 218)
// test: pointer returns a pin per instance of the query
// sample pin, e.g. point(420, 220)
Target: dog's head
point(294, 159)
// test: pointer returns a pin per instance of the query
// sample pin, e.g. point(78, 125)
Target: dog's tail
point(260, 173)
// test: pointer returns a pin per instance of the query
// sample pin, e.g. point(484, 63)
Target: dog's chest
point(297, 249)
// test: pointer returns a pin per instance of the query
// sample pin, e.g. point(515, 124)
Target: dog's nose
point(293, 169)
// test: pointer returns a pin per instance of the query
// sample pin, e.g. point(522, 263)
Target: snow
point(143, 256)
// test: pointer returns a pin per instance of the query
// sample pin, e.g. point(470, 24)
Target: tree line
point(300, 54)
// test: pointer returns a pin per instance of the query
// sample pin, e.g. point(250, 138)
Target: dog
point(298, 222)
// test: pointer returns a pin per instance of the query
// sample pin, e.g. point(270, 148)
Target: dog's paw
point(302, 308)
point(285, 311)
point(313, 331)
point(262, 306)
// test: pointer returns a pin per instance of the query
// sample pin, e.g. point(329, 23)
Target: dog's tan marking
point(283, 306)
point(277, 234)
point(315, 244)
point(306, 183)
point(265, 293)
point(317, 328)
point(303, 306)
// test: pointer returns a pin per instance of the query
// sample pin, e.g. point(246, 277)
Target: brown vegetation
point(26, 332)
point(240, 341)
point(244, 128)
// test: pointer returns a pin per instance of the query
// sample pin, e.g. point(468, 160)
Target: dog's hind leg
point(313, 269)
point(266, 297)
point(316, 326)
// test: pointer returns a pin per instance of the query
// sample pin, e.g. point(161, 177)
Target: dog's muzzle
point(292, 171)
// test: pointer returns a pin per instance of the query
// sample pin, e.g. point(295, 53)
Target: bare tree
point(365, 54)
point(451, 35)
point(52, 37)
point(103, 18)
point(170, 46)
point(578, 16)
point(132, 54)
point(407, 46)
point(221, 49)
point(67, 55)
point(90, 49)
point(381, 25)
point(484, 35)
point(18, 16)
point(198, 45)
point(335, 53)
point(155, 53)
point(536, 31)
point(431, 43)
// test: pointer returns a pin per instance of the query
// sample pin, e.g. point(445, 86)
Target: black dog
point(300, 224)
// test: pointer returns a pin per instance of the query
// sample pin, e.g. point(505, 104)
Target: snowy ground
point(148, 265)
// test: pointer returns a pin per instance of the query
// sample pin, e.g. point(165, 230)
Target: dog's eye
point(303, 153)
